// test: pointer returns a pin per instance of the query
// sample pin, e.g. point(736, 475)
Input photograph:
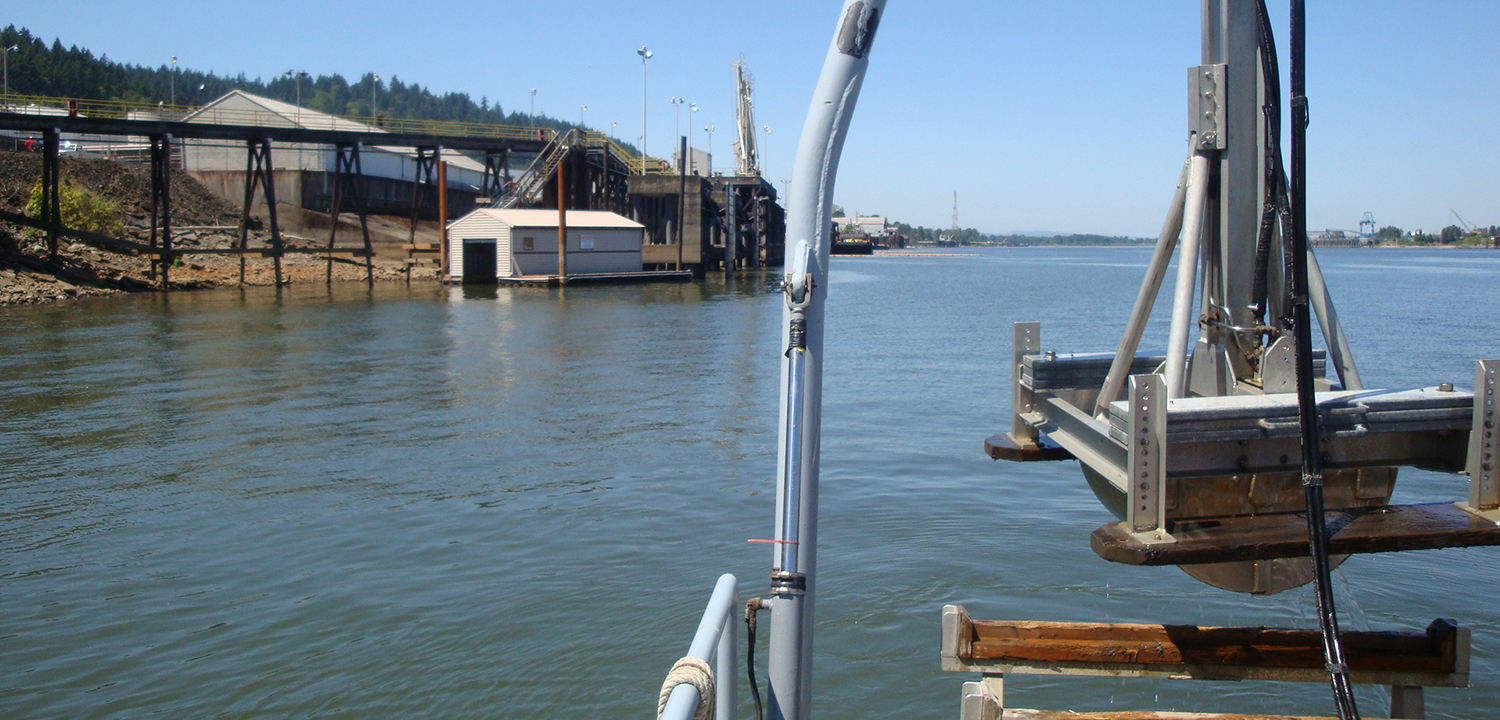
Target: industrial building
point(304, 174)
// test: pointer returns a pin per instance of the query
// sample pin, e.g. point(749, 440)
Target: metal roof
point(548, 218)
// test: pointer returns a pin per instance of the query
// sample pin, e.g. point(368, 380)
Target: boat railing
point(716, 644)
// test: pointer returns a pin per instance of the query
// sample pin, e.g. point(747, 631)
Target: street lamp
point(694, 108)
point(765, 162)
point(375, 85)
point(173, 84)
point(676, 118)
point(645, 55)
point(710, 130)
point(531, 118)
point(581, 110)
point(297, 75)
point(7, 72)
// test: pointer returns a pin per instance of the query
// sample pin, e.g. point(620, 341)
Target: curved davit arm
point(809, 210)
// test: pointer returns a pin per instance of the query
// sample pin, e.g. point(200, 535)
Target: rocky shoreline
point(202, 220)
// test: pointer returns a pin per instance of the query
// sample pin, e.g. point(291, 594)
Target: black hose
point(751, 606)
point(1271, 112)
point(1312, 471)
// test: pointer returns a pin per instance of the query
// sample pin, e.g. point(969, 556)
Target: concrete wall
point(653, 204)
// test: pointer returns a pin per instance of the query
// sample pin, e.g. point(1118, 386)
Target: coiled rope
point(697, 673)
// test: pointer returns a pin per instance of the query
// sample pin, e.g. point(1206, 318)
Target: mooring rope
point(693, 671)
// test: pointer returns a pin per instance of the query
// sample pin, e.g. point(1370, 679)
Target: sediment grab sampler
point(1236, 455)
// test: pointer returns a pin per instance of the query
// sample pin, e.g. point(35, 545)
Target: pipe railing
point(717, 636)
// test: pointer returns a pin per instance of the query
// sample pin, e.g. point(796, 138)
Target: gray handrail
point(717, 635)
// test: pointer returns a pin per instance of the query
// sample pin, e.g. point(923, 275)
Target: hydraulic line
point(1312, 471)
point(1271, 110)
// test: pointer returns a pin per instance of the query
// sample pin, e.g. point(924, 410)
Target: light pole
point(374, 86)
point(7, 72)
point(710, 130)
point(531, 118)
point(765, 163)
point(581, 110)
point(297, 76)
point(645, 55)
point(173, 84)
point(677, 119)
point(694, 107)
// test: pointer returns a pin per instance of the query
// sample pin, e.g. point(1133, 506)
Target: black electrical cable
point(1312, 472)
point(1270, 74)
point(751, 607)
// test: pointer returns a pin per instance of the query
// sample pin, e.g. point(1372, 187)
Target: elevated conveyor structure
point(160, 134)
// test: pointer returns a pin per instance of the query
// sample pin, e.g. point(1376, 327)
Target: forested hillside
point(37, 68)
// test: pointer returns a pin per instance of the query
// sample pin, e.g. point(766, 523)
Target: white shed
point(489, 243)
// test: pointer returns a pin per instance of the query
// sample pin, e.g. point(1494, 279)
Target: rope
point(697, 673)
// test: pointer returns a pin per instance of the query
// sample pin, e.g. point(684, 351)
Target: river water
point(512, 503)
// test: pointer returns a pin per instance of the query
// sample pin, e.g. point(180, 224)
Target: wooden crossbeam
point(1280, 535)
point(1407, 661)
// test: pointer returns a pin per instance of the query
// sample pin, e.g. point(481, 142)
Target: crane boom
point(747, 158)
point(1461, 221)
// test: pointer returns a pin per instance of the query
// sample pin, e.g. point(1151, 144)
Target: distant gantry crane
point(1367, 226)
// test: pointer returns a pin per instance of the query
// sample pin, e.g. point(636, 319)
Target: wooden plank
point(1005, 447)
point(1025, 714)
point(335, 252)
point(1358, 530)
point(421, 247)
point(1087, 643)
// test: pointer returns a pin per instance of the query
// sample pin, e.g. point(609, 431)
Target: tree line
point(971, 236)
point(36, 68)
point(1451, 235)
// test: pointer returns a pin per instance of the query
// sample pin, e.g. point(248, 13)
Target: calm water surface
point(442, 503)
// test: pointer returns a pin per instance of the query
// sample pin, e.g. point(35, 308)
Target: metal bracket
point(1025, 339)
point(1484, 475)
point(1206, 106)
point(798, 282)
point(1145, 496)
point(983, 700)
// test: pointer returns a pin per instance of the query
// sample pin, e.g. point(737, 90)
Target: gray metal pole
point(810, 207)
point(1333, 331)
point(1184, 312)
point(1155, 272)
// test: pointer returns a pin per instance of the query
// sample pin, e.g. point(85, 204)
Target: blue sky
point(1066, 115)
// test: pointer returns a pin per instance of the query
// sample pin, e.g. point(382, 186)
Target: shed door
point(479, 261)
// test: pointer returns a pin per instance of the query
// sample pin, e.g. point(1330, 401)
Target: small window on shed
point(528, 243)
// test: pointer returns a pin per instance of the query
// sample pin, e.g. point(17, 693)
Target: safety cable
point(1312, 471)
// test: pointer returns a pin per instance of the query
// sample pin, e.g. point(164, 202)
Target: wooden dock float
point(1391, 528)
point(599, 278)
point(1406, 661)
